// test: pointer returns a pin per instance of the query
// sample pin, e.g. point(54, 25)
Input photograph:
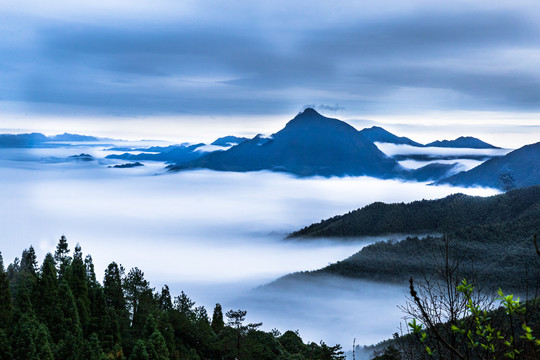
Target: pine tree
point(150, 326)
point(13, 269)
point(43, 344)
point(29, 261)
point(5, 346)
point(184, 305)
point(92, 349)
point(23, 274)
point(164, 299)
point(90, 272)
point(139, 351)
point(112, 287)
point(116, 305)
point(139, 298)
point(22, 304)
point(157, 347)
point(103, 320)
point(48, 306)
point(5, 297)
point(61, 256)
point(217, 319)
point(166, 329)
point(78, 284)
point(69, 346)
point(62, 250)
point(236, 320)
point(22, 339)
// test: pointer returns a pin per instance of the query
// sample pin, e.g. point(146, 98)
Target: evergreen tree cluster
point(444, 215)
point(59, 311)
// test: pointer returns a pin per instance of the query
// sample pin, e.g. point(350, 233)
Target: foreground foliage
point(505, 332)
point(59, 311)
point(450, 318)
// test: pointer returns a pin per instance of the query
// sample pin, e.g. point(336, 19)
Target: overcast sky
point(253, 59)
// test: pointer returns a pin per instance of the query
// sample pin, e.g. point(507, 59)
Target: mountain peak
point(378, 134)
point(463, 142)
point(308, 112)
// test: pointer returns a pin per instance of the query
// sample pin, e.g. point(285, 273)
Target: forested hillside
point(492, 237)
point(449, 214)
point(60, 311)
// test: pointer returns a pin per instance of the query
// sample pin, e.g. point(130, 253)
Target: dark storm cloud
point(178, 67)
point(434, 34)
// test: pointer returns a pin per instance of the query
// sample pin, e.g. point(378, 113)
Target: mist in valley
point(218, 236)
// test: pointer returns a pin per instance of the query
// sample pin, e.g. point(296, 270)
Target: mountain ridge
point(309, 144)
point(493, 236)
point(379, 134)
point(517, 169)
point(468, 142)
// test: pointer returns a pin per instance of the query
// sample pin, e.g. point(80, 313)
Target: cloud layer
point(240, 57)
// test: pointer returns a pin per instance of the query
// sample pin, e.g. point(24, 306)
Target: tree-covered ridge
point(452, 212)
point(493, 236)
point(60, 311)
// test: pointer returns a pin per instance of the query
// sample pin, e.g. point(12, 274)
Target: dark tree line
point(444, 215)
point(60, 311)
point(493, 234)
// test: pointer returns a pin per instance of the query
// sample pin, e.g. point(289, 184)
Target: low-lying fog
point(462, 156)
point(215, 235)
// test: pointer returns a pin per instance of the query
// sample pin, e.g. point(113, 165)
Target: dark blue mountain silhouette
point(378, 134)
point(82, 157)
point(430, 172)
point(127, 165)
point(22, 140)
point(517, 169)
point(310, 144)
point(229, 140)
point(72, 137)
point(172, 154)
point(463, 142)
point(39, 140)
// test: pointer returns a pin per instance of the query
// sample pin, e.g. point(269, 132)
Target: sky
point(162, 67)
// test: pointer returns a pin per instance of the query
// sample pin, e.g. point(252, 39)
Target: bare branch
point(416, 299)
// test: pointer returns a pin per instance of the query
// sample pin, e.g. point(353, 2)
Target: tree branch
point(416, 299)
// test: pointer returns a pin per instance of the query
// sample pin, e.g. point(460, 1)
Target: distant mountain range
point(40, 140)
point(378, 134)
point(173, 153)
point(169, 154)
point(519, 168)
point(462, 142)
point(72, 137)
point(229, 141)
point(310, 144)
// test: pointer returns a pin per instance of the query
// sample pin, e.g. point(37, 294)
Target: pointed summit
point(378, 134)
point(310, 123)
point(310, 144)
point(309, 111)
point(309, 115)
